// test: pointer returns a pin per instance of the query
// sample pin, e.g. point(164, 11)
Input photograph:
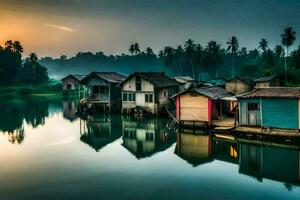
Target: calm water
point(48, 153)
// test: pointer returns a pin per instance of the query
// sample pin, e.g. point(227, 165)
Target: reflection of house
point(239, 85)
point(225, 149)
point(70, 107)
point(201, 104)
point(102, 88)
point(149, 90)
point(274, 163)
point(195, 149)
point(71, 82)
point(98, 131)
point(268, 81)
point(145, 137)
point(270, 107)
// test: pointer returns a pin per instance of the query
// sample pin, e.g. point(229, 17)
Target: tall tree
point(179, 58)
point(263, 45)
point(169, 57)
point(189, 49)
point(233, 46)
point(287, 39)
point(213, 56)
point(17, 47)
point(279, 51)
point(131, 49)
point(9, 45)
point(136, 48)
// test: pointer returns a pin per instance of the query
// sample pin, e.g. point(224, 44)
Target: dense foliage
point(12, 69)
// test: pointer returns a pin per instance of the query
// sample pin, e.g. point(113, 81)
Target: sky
point(57, 27)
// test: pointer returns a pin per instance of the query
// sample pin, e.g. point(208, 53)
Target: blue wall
point(280, 113)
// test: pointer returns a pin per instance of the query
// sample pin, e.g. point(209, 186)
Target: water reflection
point(254, 159)
point(100, 130)
point(145, 137)
point(70, 109)
point(14, 112)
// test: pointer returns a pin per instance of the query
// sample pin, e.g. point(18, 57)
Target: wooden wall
point(193, 108)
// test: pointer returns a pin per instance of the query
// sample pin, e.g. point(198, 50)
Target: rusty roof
point(111, 77)
point(273, 92)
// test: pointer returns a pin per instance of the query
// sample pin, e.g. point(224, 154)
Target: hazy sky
point(55, 27)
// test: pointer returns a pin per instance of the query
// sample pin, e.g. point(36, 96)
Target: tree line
point(14, 70)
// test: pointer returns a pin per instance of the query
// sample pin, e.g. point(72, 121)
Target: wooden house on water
point(270, 108)
point(199, 106)
point(71, 82)
point(102, 90)
point(268, 81)
point(239, 85)
point(148, 91)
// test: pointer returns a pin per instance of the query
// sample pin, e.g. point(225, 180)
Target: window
point(138, 84)
point(253, 106)
point(124, 96)
point(128, 96)
point(165, 93)
point(69, 86)
point(148, 98)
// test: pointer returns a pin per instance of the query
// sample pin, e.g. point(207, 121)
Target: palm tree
point(17, 47)
point(179, 57)
point(131, 49)
point(169, 57)
point(198, 58)
point(279, 52)
point(213, 56)
point(287, 39)
point(9, 45)
point(136, 48)
point(189, 48)
point(233, 46)
point(263, 45)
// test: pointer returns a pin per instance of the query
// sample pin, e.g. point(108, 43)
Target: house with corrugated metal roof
point(276, 107)
point(102, 89)
point(148, 91)
point(201, 105)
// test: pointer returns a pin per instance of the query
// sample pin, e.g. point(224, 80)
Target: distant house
point(202, 104)
point(71, 82)
point(239, 85)
point(270, 107)
point(185, 82)
point(102, 88)
point(148, 90)
point(268, 81)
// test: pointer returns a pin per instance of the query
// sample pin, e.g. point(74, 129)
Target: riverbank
point(52, 88)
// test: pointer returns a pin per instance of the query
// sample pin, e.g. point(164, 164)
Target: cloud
point(63, 28)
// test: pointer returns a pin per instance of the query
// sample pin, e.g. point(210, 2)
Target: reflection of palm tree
point(287, 39)
point(263, 45)
point(233, 46)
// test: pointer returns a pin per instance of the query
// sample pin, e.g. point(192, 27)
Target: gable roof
point(158, 79)
point(245, 79)
point(75, 76)
point(212, 92)
point(265, 79)
point(111, 77)
point(273, 92)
